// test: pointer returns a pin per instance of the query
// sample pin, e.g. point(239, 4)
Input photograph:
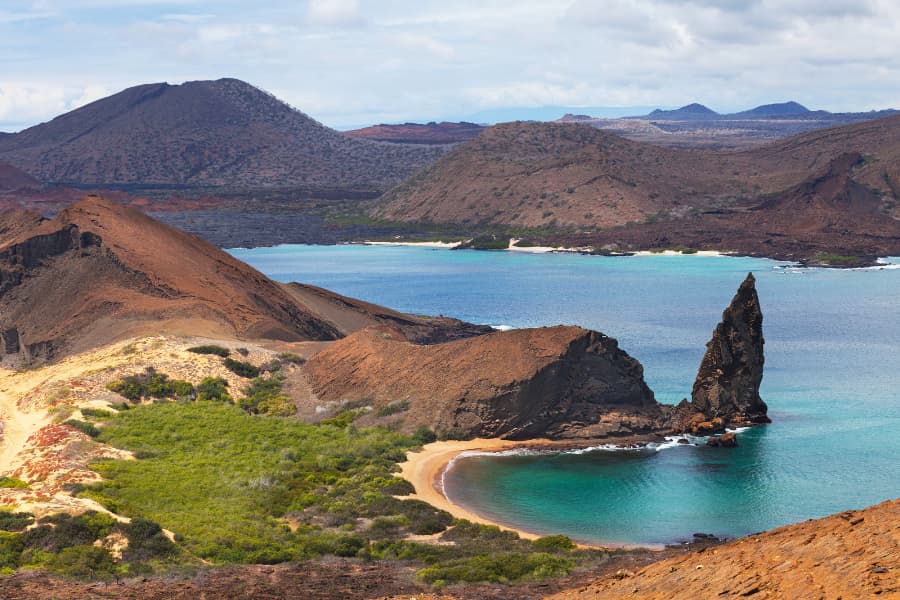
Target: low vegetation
point(837, 260)
point(211, 349)
point(151, 384)
point(77, 546)
point(241, 368)
point(237, 487)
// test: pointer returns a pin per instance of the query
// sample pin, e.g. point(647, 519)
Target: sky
point(351, 63)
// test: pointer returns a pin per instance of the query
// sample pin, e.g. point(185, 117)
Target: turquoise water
point(832, 382)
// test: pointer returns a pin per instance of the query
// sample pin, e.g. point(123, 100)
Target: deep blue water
point(832, 382)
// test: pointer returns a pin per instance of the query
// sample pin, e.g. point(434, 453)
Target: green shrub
point(96, 413)
point(84, 562)
point(241, 368)
point(151, 384)
point(263, 396)
point(210, 349)
point(10, 550)
point(13, 482)
point(15, 521)
point(84, 427)
point(392, 408)
point(424, 518)
point(146, 540)
point(423, 436)
point(291, 358)
point(554, 543)
point(60, 531)
point(214, 389)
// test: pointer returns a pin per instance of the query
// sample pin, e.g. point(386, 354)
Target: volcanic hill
point(223, 133)
point(100, 271)
point(556, 175)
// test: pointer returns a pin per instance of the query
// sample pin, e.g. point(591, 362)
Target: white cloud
point(334, 13)
point(29, 102)
point(346, 60)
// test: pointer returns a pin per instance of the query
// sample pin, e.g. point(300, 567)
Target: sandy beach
point(444, 245)
point(680, 253)
point(424, 470)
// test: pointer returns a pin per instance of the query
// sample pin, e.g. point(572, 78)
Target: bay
point(832, 382)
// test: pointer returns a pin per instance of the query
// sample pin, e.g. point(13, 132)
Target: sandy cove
point(424, 470)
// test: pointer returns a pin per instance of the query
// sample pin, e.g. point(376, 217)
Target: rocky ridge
point(100, 271)
point(560, 382)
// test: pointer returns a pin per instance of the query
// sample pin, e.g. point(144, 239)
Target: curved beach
point(424, 470)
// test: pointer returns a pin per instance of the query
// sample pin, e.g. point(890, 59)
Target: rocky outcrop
point(727, 386)
point(559, 382)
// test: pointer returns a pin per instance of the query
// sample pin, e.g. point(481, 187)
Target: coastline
point(425, 469)
point(442, 245)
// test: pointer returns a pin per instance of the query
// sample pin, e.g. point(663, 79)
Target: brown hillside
point(418, 133)
point(539, 174)
point(553, 381)
point(100, 271)
point(830, 213)
point(204, 133)
point(854, 554)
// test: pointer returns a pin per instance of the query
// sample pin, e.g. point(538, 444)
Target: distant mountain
point(568, 175)
point(690, 111)
point(778, 109)
point(204, 133)
point(418, 133)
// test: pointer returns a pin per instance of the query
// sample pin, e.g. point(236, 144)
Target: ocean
point(832, 382)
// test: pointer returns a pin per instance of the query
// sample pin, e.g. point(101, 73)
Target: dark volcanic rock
point(559, 382)
point(727, 384)
point(726, 440)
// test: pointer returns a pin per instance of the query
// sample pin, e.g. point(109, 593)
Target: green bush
point(554, 543)
point(210, 349)
point(60, 531)
point(423, 436)
point(10, 550)
point(146, 540)
point(392, 408)
point(214, 389)
point(263, 396)
point(291, 358)
point(96, 413)
point(241, 368)
point(84, 427)
point(151, 384)
point(15, 521)
point(84, 562)
point(13, 482)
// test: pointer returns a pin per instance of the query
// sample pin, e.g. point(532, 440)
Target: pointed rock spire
point(727, 384)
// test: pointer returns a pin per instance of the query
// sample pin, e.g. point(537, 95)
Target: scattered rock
point(727, 440)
